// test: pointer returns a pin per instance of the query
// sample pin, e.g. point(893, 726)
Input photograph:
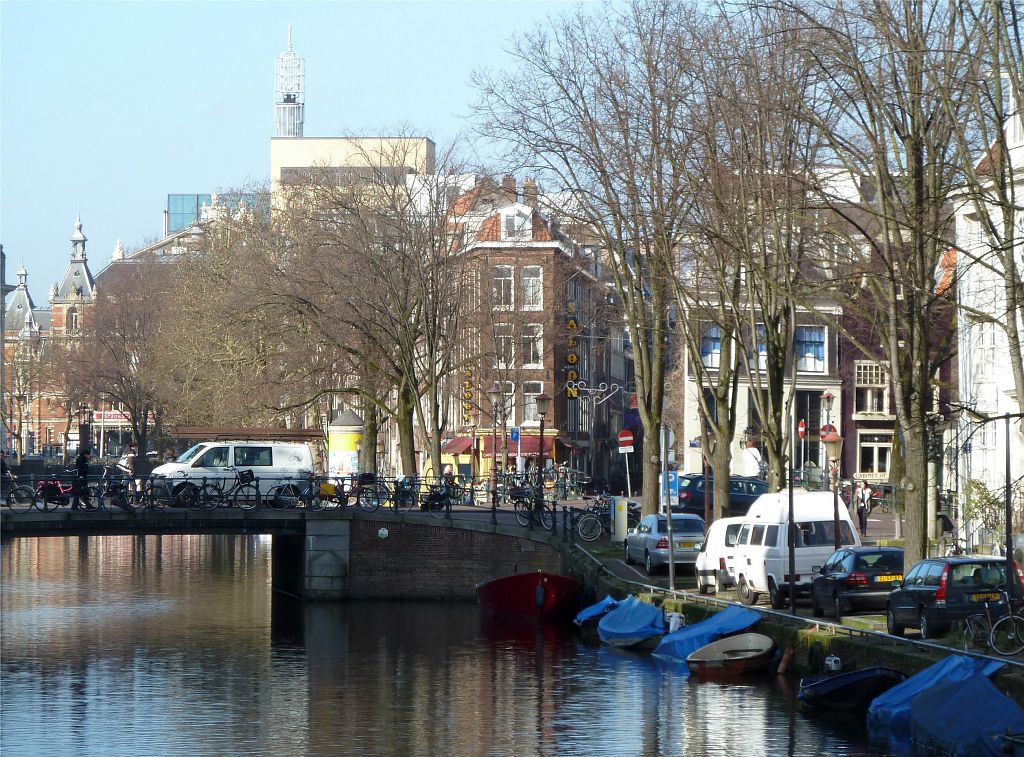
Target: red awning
point(460, 445)
point(527, 445)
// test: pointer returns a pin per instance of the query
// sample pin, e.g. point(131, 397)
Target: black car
point(742, 493)
point(940, 590)
point(858, 578)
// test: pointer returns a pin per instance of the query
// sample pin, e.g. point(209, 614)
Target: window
point(250, 456)
point(518, 226)
point(504, 345)
point(771, 536)
point(532, 280)
point(872, 387)
point(874, 454)
point(215, 457)
point(759, 350)
point(501, 287)
point(530, 391)
point(533, 345)
point(72, 321)
point(810, 349)
point(757, 534)
point(711, 346)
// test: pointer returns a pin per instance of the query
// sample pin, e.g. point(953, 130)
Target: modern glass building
point(184, 210)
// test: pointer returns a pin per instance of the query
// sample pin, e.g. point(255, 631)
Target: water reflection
point(176, 645)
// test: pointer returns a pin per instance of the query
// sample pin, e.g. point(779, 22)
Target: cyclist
point(127, 465)
point(6, 477)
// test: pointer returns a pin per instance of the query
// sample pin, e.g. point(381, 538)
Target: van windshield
point(190, 453)
point(822, 533)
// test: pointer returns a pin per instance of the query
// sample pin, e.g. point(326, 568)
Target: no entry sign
point(625, 441)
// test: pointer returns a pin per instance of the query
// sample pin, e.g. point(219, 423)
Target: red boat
point(535, 595)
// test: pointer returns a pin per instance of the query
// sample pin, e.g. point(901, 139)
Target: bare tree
point(598, 103)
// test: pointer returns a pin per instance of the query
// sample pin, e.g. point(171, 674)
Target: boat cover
point(678, 645)
point(889, 713)
point(598, 610)
point(964, 718)
point(631, 621)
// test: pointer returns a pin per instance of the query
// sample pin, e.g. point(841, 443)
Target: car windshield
point(682, 526)
point(189, 453)
point(988, 575)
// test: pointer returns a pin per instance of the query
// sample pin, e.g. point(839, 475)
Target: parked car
point(858, 578)
point(648, 542)
point(714, 566)
point(742, 493)
point(939, 590)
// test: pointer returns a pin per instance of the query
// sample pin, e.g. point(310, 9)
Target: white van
point(762, 553)
point(714, 566)
point(270, 462)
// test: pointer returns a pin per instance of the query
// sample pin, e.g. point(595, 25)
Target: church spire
point(78, 240)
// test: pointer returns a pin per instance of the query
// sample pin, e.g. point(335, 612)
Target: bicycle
point(440, 498)
point(1005, 636)
point(241, 489)
point(406, 494)
point(18, 497)
point(288, 496)
point(117, 493)
point(541, 513)
point(368, 491)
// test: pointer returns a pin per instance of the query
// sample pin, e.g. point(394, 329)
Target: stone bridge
point(340, 554)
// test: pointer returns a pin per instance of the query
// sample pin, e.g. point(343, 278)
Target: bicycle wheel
point(589, 527)
point(372, 496)
point(210, 497)
point(547, 517)
point(1007, 636)
point(21, 499)
point(113, 502)
point(523, 509)
point(187, 495)
point(405, 499)
point(437, 504)
point(247, 496)
point(284, 497)
point(153, 497)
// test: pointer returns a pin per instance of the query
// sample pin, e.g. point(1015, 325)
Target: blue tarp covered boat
point(964, 718)
point(679, 645)
point(889, 713)
point(632, 623)
point(595, 611)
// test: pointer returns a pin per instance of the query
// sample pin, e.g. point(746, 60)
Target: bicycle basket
point(246, 477)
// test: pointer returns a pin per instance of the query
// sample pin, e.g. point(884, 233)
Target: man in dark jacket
point(80, 500)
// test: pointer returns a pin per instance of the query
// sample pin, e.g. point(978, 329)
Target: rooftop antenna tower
point(290, 109)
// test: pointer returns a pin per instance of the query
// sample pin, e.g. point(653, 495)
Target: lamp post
point(834, 447)
point(826, 401)
point(84, 429)
point(493, 395)
point(474, 421)
point(22, 427)
point(543, 406)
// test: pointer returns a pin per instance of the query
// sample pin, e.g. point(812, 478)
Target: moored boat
point(632, 625)
point(733, 655)
point(538, 594)
point(850, 691)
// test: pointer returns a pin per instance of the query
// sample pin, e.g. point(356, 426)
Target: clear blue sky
point(107, 107)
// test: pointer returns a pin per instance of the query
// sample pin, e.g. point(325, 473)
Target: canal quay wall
point(810, 640)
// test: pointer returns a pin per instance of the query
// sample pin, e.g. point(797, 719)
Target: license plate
point(684, 545)
point(986, 596)
point(888, 579)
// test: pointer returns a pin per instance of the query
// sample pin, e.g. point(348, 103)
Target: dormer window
point(518, 226)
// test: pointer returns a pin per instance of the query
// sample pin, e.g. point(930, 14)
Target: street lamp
point(22, 429)
point(834, 448)
point(493, 395)
point(826, 401)
point(543, 403)
point(85, 417)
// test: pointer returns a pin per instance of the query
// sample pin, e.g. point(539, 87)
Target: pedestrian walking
point(863, 506)
point(80, 493)
point(127, 465)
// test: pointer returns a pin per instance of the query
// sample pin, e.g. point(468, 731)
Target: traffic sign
point(625, 441)
point(802, 429)
point(827, 429)
point(513, 434)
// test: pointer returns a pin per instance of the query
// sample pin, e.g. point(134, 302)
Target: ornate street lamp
point(543, 406)
point(494, 395)
point(826, 402)
point(834, 448)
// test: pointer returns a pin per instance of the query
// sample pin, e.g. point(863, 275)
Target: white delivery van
point(761, 553)
point(714, 566)
point(270, 462)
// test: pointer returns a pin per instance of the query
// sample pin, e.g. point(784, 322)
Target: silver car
point(648, 542)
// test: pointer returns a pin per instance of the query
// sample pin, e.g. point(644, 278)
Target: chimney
point(530, 193)
point(508, 183)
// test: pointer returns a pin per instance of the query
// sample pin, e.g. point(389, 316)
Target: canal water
point(177, 646)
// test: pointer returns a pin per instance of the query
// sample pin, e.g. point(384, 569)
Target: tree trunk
point(368, 444)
